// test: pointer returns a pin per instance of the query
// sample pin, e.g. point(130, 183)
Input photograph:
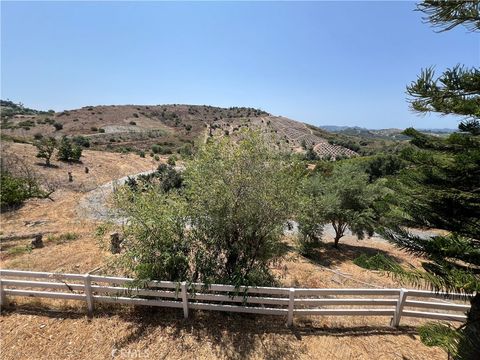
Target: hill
point(391, 133)
point(162, 129)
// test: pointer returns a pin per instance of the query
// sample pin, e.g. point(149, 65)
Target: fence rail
point(288, 302)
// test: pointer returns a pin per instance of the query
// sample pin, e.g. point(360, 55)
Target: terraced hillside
point(162, 128)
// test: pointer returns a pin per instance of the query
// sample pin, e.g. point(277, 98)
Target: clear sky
point(342, 63)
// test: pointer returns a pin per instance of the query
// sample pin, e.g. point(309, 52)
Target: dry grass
point(48, 329)
point(60, 215)
point(40, 333)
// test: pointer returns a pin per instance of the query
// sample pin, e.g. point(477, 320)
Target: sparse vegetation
point(46, 148)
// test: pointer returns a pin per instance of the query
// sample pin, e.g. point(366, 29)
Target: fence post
point(3, 298)
point(88, 294)
point(291, 304)
point(184, 299)
point(398, 310)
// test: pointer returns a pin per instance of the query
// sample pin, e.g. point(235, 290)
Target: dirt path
point(94, 205)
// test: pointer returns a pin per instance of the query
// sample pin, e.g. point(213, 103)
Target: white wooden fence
point(287, 302)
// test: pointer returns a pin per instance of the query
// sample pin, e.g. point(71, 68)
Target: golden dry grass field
point(57, 329)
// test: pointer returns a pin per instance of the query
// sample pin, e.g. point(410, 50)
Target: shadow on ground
point(327, 255)
point(233, 336)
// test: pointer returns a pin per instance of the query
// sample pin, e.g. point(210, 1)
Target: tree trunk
point(338, 233)
point(469, 347)
point(337, 239)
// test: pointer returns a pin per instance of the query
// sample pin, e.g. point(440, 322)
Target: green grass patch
point(377, 262)
point(63, 238)
point(441, 335)
point(19, 250)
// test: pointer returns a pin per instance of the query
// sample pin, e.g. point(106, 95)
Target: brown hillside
point(172, 128)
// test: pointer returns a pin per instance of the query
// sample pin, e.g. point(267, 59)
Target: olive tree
point(241, 193)
point(345, 199)
point(46, 147)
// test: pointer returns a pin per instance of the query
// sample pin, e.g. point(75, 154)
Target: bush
point(142, 154)
point(172, 160)
point(132, 123)
point(157, 158)
point(311, 155)
point(37, 136)
point(81, 141)
point(67, 152)
point(186, 150)
point(27, 124)
point(156, 223)
point(94, 128)
point(57, 126)
point(16, 189)
point(13, 191)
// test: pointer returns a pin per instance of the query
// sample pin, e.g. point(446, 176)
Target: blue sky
point(342, 63)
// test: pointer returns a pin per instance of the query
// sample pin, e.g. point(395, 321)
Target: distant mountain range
point(391, 133)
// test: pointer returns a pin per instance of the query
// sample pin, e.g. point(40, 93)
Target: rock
point(37, 243)
point(115, 243)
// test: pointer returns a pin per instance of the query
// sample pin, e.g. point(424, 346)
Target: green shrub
point(13, 190)
point(101, 131)
point(156, 157)
point(27, 124)
point(94, 128)
point(132, 123)
point(81, 141)
point(67, 152)
point(172, 160)
point(377, 262)
point(57, 126)
point(156, 149)
point(142, 154)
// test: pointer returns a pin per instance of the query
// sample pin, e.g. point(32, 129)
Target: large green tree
point(440, 189)
point(223, 225)
point(241, 193)
point(345, 199)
